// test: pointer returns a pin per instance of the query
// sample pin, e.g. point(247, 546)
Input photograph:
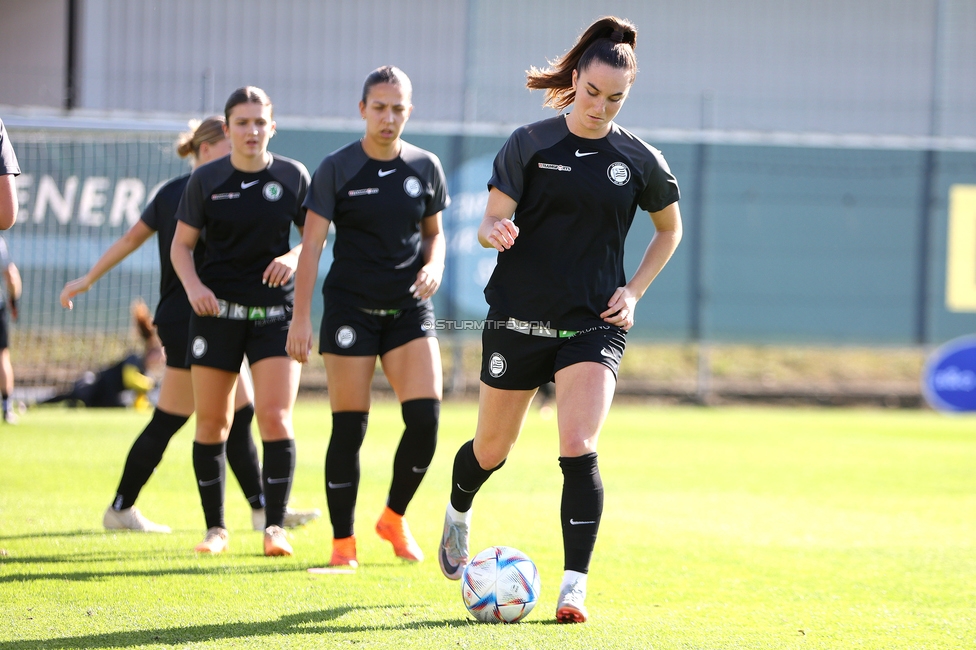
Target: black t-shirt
point(576, 202)
point(377, 207)
point(248, 218)
point(160, 215)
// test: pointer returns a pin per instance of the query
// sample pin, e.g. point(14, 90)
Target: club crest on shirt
point(345, 336)
point(412, 187)
point(199, 347)
point(272, 191)
point(497, 365)
point(618, 173)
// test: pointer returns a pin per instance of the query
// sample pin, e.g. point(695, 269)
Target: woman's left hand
point(427, 282)
point(280, 270)
point(620, 310)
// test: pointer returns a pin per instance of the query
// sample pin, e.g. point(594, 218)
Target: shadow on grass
point(302, 623)
point(61, 533)
point(201, 570)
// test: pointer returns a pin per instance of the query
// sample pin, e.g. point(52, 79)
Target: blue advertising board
point(949, 378)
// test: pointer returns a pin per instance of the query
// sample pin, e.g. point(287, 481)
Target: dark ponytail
point(609, 40)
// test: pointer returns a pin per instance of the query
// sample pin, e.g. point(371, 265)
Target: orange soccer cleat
point(344, 552)
point(393, 528)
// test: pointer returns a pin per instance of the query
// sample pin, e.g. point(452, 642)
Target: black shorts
point(175, 337)
point(353, 332)
point(514, 360)
point(222, 343)
point(4, 334)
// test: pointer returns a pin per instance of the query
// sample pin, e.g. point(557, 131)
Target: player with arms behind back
point(562, 196)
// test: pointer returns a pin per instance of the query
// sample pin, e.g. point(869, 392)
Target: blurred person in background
point(9, 169)
point(204, 143)
point(385, 197)
point(241, 296)
point(562, 196)
point(8, 311)
point(135, 374)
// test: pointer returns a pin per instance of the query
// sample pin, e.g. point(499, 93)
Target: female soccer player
point(242, 303)
point(385, 197)
point(558, 297)
point(205, 142)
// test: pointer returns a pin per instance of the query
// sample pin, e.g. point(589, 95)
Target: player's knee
point(212, 427)
point(573, 443)
point(419, 441)
point(272, 417)
point(490, 456)
point(421, 418)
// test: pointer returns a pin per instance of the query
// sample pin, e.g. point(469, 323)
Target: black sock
point(342, 469)
point(242, 456)
point(416, 450)
point(144, 456)
point(208, 464)
point(468, 477)
point(581, 510)
point(279, 469)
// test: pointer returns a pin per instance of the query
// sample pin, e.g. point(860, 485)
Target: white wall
point(830, 66)
point(33, 52)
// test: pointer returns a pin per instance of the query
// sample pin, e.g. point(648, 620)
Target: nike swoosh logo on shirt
point(580, 154)
point(385, 172)
point(244, 185)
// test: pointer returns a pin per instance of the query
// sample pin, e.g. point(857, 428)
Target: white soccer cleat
point(570, 608)
point(131, 519)
point(293, 518)
point(276, 542)
point(216, 541)
point(453, 552)
point(296, 518)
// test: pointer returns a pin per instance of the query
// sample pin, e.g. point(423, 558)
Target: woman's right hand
point(203, 301)
point(72, 289)
point(502, 234)
point(299, 344)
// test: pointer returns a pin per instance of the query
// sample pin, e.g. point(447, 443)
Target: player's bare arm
point(434, 250)
point(9, 204)
point(667, 236)
point(314, 237)
point(202, 299)
point(135, 237)
point(497, 229)
point(282, 268)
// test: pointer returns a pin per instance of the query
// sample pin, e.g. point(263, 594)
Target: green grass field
point(723, 528)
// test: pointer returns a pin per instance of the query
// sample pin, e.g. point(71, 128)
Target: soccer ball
point(500, 585)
